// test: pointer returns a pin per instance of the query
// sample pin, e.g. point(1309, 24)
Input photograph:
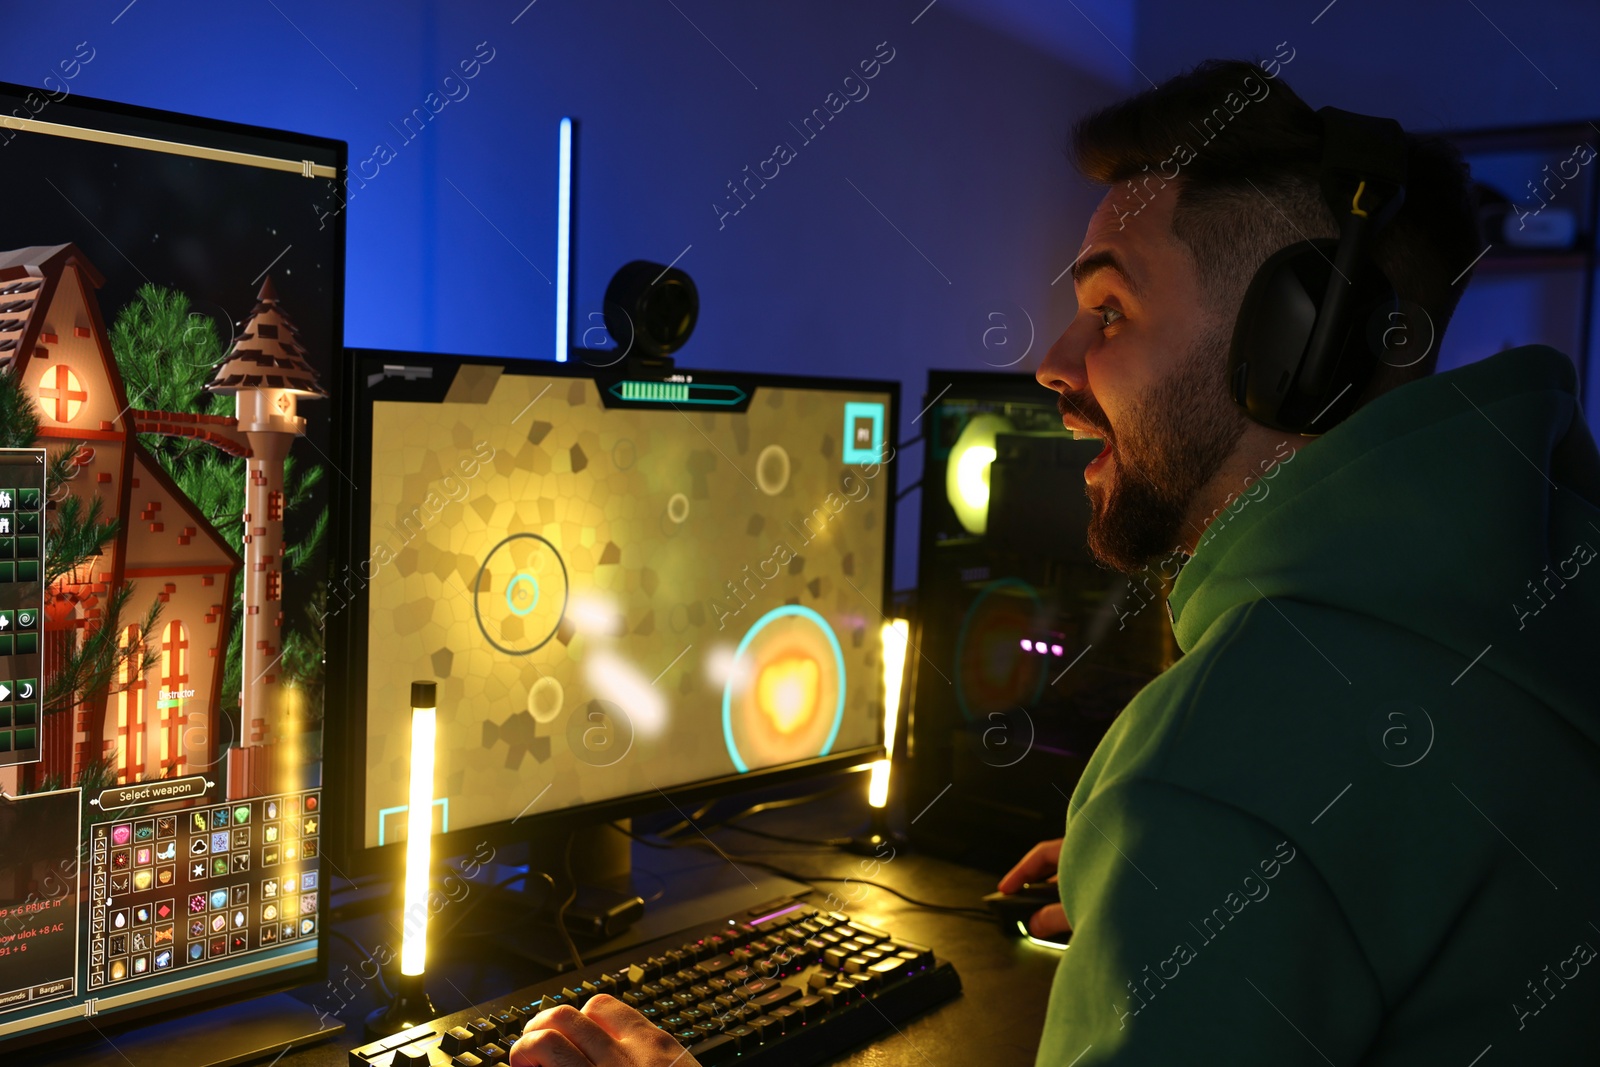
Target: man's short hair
point(1245, 152)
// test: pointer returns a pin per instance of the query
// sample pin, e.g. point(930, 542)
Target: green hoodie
point(1356, 822)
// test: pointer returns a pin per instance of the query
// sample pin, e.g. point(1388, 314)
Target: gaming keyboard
point(786, 983)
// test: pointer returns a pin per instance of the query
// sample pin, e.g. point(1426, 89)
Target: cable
point(661, 885)
point(685, 824)
point(908, 490)
point(377, 967)
point(831, 842)
point(572, 894)
point(693, 823)
point(520, 876)
point(645, 841)
point(786, 802)
point(953, 909)
point(670, 846)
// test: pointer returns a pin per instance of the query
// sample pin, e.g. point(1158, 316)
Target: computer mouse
point(1014, 908)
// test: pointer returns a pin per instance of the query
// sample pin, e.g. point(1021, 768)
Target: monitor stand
point(257, 1029)
point(681, 888)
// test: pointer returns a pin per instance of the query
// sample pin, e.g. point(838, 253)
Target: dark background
point(941, 199)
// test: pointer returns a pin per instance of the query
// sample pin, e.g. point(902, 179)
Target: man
point(1352, 824)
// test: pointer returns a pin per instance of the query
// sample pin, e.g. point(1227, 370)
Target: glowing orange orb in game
point(786, 691)
point(784, 698)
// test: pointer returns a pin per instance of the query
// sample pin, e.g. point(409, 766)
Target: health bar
point(710, 394)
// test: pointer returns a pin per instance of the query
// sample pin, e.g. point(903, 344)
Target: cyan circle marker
point(511, 587)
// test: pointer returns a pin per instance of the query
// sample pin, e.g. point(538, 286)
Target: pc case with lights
point(1029, 649)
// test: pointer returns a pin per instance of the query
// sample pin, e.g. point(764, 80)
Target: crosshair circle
point(518, 558)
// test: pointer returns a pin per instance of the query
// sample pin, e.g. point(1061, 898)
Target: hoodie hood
point(1464, 507)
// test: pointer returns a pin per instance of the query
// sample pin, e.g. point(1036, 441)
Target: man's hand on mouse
point(606, 1033)
point(1041, 860)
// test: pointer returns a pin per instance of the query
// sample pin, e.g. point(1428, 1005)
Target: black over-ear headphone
point(1300, 357)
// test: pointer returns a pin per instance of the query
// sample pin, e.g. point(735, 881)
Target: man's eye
point(1103, 311)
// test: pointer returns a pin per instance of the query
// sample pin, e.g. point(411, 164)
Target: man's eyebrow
point(1089, 266)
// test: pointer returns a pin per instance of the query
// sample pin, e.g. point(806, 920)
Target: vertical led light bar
point(896, 635)
point(563, 238)
point(409, 1005)
point(419, 828)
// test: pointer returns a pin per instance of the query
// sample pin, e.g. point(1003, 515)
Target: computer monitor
point(631, 588)
point(171, 298)
point(1037, 646)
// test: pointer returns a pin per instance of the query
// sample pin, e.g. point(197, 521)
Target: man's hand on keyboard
point(1039, 864)
point(606, 1033)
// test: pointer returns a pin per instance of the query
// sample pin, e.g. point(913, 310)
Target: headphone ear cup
point(1273, 329)
point(1272, 337)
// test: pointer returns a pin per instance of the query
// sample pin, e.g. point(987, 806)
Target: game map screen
point(620, 589)
point(170, 309)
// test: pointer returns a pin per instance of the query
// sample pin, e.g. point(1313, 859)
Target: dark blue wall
point(940, 196)
point(939, 200)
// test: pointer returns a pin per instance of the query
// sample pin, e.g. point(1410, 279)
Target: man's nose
point(1062, 368)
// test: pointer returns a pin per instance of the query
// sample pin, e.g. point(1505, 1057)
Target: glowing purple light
point(1027, 646)
point(1056, 649)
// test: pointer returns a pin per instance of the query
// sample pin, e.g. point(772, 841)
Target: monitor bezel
point(78, 110)
point(347, 644)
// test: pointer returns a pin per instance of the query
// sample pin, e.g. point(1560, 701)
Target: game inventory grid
point(182, 888)
point(21, 601)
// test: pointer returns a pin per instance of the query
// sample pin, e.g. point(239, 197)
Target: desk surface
point(1005, 981)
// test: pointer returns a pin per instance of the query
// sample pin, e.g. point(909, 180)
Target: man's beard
point(1174, 441)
